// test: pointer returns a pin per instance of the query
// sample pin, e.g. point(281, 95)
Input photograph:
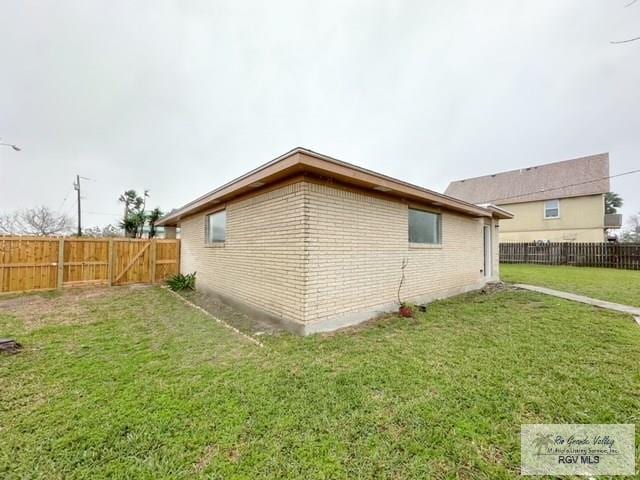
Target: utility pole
point(76, 186)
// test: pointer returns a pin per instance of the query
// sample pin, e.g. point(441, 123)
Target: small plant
point(182, 282)
point(406, 310)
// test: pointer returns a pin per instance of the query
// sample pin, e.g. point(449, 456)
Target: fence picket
point(44, 263)
point(608, 255)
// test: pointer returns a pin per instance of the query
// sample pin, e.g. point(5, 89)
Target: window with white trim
point(552, 209)
point(216, 227)
point(425, 227)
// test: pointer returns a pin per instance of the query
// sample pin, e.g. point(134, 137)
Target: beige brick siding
point(309, 252)
point(356, 247)
point(262, 260)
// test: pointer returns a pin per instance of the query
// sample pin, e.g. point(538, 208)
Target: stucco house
point(318, 244)
point(557, 202)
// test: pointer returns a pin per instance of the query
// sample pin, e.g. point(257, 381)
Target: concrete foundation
point(338, 321)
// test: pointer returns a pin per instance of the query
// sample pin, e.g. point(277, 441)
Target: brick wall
point(261, 261)
point(310, 252)
point(356, 247)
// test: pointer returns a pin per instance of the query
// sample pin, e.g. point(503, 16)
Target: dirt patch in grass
point(496, 287)
point(66, 307)
point(249, 324)
point(205, 459)
point(257, 326)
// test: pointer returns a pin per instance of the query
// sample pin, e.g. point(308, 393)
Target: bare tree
point(631, 233)
point(107, 231)
point(39, 221)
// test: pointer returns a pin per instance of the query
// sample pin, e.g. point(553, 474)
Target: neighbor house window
point(552, 209)
point(217, 227)
point(425, 227)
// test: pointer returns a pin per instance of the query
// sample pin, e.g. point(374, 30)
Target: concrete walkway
point(617, 307)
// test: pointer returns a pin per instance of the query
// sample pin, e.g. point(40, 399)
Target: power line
point(64, 201)
point(11, 145)
point(625, 41)
point(544, 190)
point(68, 208)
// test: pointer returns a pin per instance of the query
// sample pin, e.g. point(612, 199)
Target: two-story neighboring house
point(558, 202)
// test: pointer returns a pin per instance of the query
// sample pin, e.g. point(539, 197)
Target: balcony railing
point(612, 220)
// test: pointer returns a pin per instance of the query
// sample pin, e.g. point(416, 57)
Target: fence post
point(152, 261)
point(60, 262)
point(178, 247)
point(110, 262)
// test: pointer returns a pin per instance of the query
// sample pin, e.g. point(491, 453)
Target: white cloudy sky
point(181, 96)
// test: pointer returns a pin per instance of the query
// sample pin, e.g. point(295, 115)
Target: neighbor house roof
point(569, 178)
point(303, 161)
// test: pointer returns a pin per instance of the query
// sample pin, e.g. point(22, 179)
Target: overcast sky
point(179, 97)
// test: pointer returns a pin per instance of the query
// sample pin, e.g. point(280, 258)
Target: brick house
point(318, 244)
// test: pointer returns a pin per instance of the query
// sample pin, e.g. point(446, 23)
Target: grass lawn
point(620, 286)
point(132, 383)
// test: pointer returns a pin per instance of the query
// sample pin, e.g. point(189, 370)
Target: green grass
point(141, 386)
point(619, 286)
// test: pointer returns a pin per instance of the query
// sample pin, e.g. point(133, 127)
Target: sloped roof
point(301, 161)
point(569, 178)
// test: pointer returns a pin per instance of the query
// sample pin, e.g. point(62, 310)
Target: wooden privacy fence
point(611, 255)
point(41, 263)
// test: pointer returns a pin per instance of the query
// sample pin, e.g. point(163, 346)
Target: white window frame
point(546, 217)
point(206, 228)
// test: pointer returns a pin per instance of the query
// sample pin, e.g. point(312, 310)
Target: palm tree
point(612, 201)
point(152, 218)
point(131, 202)
point(131, 224)
point(134, 218)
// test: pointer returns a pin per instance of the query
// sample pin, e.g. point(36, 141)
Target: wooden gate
point(131, 262)
point(41, 263)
